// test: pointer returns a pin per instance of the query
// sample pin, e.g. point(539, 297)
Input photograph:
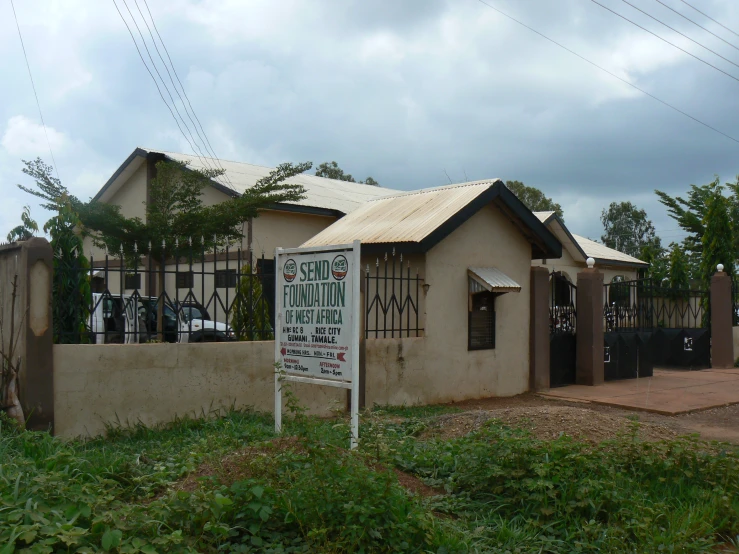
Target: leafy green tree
point(690, 214)
point(679, 271)
point(717, 239)
point(250, 320)
point(534, 199)
point(70, 288)
point(331, 170)
point(628, 230)
point(175, 213)
point(656, 256)
point(27, 229)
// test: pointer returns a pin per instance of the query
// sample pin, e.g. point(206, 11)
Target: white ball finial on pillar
point(590, 262)
point(720, 267)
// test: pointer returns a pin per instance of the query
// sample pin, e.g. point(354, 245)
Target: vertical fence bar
point(418, 308)
point(384, 308)
point(401, 303)
point(392, 301)
point(377, 297)
point(418, 301)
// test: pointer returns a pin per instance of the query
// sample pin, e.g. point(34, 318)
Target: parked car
point(113, 320)
point(190, 322)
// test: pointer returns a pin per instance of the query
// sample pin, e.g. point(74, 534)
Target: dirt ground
point(547, 418)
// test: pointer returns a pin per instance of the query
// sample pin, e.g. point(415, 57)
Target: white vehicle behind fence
point(124, 319)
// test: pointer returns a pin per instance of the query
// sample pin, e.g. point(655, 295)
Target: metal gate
point(647, 324)
point(562, 330)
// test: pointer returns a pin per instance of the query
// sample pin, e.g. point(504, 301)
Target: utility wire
point(174, 70)
point(698, 24)
point(156, 83)
point(563, 47)
point(679, 33)
point(708, 16)
point(174, 104)
point(215, 161)
point(33, 86)
point(666, 41)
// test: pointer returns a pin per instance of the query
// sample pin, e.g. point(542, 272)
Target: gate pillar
point(539, 330)
point(589, 353)
point(722, 340)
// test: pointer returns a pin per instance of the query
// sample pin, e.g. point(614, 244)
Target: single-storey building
point(285, 225)
point(471, 245)
point(576, 250)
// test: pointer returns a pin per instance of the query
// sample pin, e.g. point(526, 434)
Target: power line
point(679, 33)
point(215, 161)
point(698, 24)
point(708, 16)
point(156, 83)
point(33, 86)
point(678, 110)
point(174, 104)
point(174, 70)
point(665, 40)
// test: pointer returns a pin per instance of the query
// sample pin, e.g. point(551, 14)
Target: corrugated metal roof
point(491, 279)
point(404, 217)
point(594, 249)
point(324, 193)
point(601, 252)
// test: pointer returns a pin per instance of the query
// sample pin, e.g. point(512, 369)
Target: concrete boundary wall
point(155, 383)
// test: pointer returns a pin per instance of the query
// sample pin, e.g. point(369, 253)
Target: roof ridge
point(443, 187)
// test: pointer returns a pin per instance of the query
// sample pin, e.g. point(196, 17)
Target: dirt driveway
point(548, 417)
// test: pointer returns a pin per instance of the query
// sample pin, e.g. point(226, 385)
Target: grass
point(501, 490)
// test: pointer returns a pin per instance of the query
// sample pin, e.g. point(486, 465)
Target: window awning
point(490, 279)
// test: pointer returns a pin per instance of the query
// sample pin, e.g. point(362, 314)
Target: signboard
point(317, 319)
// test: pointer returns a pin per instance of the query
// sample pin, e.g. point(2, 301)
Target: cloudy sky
point(401, 90)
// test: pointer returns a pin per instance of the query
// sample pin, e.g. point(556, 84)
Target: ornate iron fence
point(645, 304)
point(220, 295)
point(392, 296)
point(562, 305)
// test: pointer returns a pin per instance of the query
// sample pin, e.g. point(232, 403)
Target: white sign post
point(317, 320)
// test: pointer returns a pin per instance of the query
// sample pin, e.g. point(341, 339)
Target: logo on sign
point(339, 267)
point(290, 270)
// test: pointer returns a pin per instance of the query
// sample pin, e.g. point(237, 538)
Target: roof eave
point(621, 263)
point(139, 152)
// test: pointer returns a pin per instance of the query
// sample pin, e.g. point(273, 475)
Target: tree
point(628, 230)
point(690, 214)
point(534, 199)
point(331, 170)
point(656, 256)
point(27, 229)
point(250, 320)
point(679, 272)
point(717, 240)
point(175, 213)
point(70, 288)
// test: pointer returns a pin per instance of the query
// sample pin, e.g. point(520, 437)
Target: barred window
point(226, 278)
point(481, 323)
point(185, 279)
point(133, 281)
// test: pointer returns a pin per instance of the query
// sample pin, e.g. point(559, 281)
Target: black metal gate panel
point(627, 355)
point(562, 348)
point(562, 326)
point(647, 324)
point(684, 348)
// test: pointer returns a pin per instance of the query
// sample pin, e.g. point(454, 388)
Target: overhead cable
point(632, 85)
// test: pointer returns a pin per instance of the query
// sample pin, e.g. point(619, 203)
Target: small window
point(225, 278)
point(185, 279)
point(481, 326)
point(133, 281)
